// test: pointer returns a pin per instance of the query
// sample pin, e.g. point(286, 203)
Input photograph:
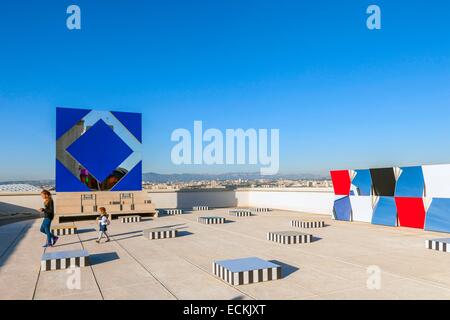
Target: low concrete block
point(173, 211)
point(211, 220)
point(130, 219)
point(64, 260)
point(438, 244)
point(63, 230)
point(289, 237)
point(246, 271)
point(241, 213)
point(262, 209)
point(160, 233)
point(200, 208)
point(308, 224)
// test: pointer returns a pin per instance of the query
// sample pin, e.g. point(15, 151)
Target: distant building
point(19, 188)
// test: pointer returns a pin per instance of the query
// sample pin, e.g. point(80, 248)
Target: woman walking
point(49, 213)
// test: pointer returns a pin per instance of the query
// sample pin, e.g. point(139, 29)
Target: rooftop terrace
point(334, 266)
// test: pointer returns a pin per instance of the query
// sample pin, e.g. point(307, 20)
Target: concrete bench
point(64, 260)
point(262, 209)
point(160, 233)
point(246, 271)
point(130, 219)
point(173, 211)
point(241, 213)
point(63, 230)
point(200, 208)
point(308, 224)
point(211, 220)
point(289, 237)
point(438, 244)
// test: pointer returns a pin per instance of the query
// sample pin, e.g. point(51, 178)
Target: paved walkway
point(131, 267)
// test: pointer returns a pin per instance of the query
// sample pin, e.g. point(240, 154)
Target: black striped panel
point(437, 245)
point(64, 231)
point(246, 277)
point(200, 208)
point(211, 220)
point(307, 224)
point(130, 219)
point(64, 263)
point(241, 213)
point(165, 234)
point(173, 211)
point(289, 239)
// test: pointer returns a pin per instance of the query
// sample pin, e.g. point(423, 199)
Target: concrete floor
point(130, 267)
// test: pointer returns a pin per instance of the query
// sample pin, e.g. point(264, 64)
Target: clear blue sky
point(341, 95)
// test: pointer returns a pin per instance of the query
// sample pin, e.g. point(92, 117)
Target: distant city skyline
point(342, 96)
point(173, 177)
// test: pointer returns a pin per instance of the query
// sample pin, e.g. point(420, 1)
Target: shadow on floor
point(238, 298)
point(133, 233)
point(286, 269)
point(184, 234)
point(171, 226)
point(99, 258)
point(124, 234)
point(87, 230)
point(10, 244)
point(315, 239)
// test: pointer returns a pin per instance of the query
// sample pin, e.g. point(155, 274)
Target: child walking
point(103, 222)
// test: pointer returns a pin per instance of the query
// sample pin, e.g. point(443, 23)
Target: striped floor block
point(130, 219)
point(64, 230)
point(200, 208)
point(173, 211)
point(246, 271)
point(438, 244)
point(241, 213)
point(160, 233)
point(307, 224)
point(211, 220)
point(64, 260)
point(262, 209)
point(289, 237)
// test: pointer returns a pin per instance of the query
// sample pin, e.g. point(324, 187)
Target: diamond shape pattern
point(100, 150)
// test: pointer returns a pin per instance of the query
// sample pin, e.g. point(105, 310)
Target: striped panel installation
point(63, 231)
point(289, 237)
point(211, 220)
point(438, 244)
point(160, 233)
point(246, 271)
point(241, 213)
point(307, 224)
point(64, 259)
point(130, 219)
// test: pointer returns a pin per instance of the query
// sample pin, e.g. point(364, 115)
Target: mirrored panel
point(101, 150)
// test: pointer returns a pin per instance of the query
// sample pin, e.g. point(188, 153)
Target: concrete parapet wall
point(312, 200)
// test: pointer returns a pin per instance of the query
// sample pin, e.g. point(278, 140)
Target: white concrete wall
point(311, 202)
point(320, 202)
point(22, 203)
point(186, 200)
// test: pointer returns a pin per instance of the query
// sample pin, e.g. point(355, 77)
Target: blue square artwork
point(98, 151)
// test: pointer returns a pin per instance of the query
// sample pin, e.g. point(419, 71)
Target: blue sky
point(341, 95)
